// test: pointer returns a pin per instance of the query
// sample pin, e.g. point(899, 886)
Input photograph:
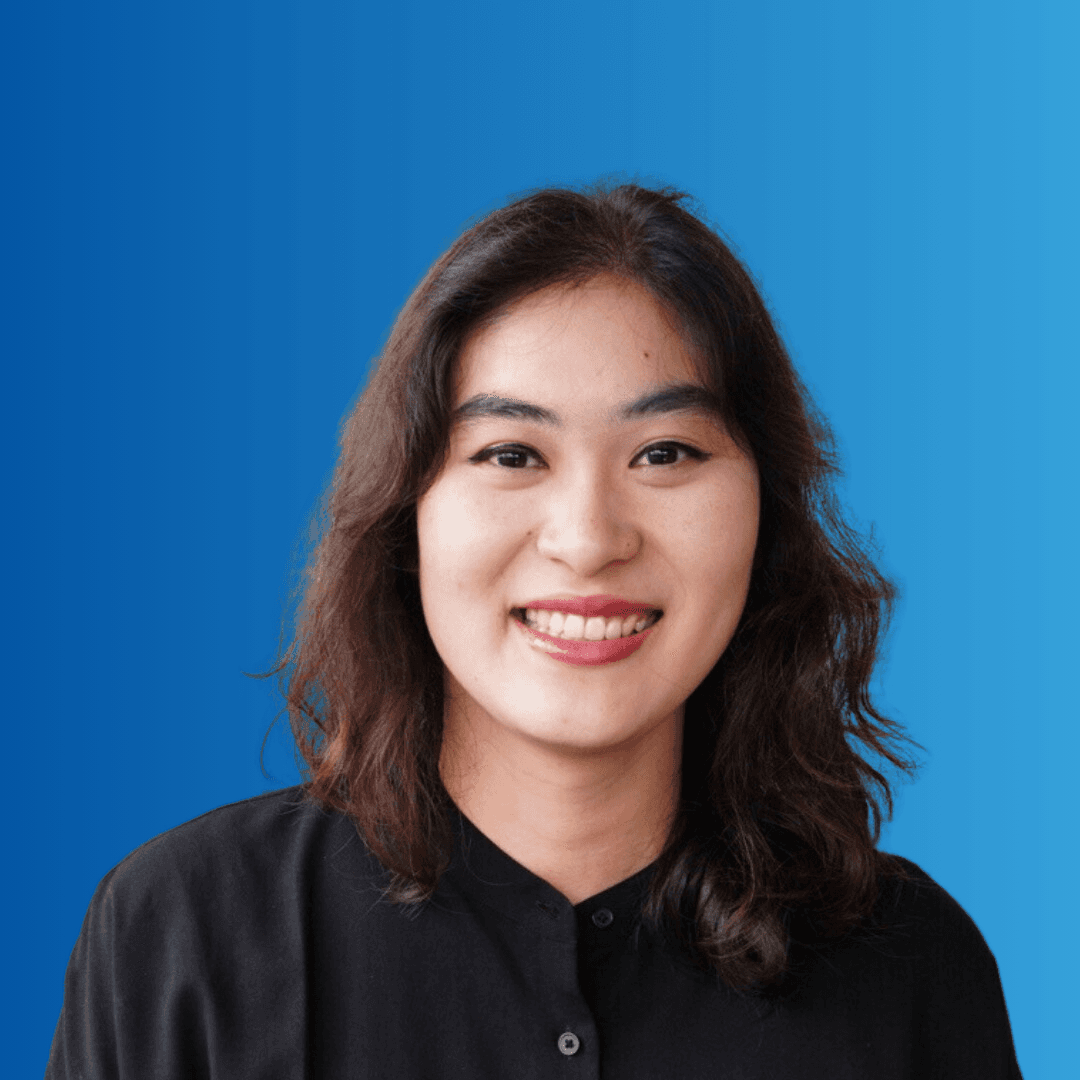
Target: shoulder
point(913, 910)
point(919, 949)
point(233, 829)
point(916, 978)
point(242, 829)
point(914, 924)
point(954, 991)
point(257, 851)
point(943, 972)
point(193, 942)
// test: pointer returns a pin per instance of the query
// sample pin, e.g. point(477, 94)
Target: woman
point(581, 683)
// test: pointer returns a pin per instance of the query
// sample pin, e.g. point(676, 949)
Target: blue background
point(216, 208)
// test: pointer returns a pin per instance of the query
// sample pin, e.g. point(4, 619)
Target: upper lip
point(600, 605)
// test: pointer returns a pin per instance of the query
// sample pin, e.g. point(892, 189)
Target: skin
point(574, 771)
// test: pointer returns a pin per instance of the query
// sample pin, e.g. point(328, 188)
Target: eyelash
point(514, 448)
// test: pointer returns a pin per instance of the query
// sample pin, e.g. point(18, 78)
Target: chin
point(568, 727)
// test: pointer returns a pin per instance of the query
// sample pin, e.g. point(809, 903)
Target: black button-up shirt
point(255, 942)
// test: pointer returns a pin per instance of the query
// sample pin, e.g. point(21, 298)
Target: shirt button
point(569, 1043)
point(602, 918)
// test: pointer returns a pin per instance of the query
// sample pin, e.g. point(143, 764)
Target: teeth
point(577, 628)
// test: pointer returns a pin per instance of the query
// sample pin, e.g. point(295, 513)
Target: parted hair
point(784, 777)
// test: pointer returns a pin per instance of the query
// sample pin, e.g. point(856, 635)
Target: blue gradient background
point(215, 211)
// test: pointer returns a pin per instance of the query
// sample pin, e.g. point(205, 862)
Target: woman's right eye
point(507, 457)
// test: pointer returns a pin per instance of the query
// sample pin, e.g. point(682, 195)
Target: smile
point(573, 639)
point(569, 627)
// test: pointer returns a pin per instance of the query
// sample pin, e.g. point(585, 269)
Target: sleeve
point(134, 996)
point(191, 962)
point(962, 1023)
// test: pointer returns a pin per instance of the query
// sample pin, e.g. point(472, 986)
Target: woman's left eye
point(670, 453)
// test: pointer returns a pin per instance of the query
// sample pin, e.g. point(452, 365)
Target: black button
point(569, 1043)
point(602, 918)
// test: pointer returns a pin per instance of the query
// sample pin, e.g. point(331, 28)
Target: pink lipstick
point(587, 652)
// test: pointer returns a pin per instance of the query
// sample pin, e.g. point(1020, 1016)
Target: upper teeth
point(578, 628)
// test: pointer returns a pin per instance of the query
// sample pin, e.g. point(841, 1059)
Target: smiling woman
point(581, 682)
point(584, 455)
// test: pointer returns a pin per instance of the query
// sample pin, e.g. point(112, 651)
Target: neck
point(581, 820)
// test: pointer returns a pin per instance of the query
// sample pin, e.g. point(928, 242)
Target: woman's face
point(583, 464)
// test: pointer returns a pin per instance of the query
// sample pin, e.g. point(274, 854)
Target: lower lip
point(589, 653)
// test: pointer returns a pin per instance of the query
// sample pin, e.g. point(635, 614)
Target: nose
point(588, 524)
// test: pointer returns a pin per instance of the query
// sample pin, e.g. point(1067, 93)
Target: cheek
point(463, 542)
point(720, 537)
point(452, 526)
point(717, 555)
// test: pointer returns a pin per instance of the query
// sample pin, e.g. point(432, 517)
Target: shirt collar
point(481, 872)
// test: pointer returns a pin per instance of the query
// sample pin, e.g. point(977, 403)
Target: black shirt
point(255, 942)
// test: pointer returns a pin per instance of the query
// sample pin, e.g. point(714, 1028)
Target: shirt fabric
point(256, 942)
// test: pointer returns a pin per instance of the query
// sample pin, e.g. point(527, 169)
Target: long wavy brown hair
point(782, 797)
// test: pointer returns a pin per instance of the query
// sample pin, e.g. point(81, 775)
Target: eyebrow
point(671, 398)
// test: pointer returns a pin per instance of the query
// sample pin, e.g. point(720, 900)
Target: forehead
point(588, 347)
